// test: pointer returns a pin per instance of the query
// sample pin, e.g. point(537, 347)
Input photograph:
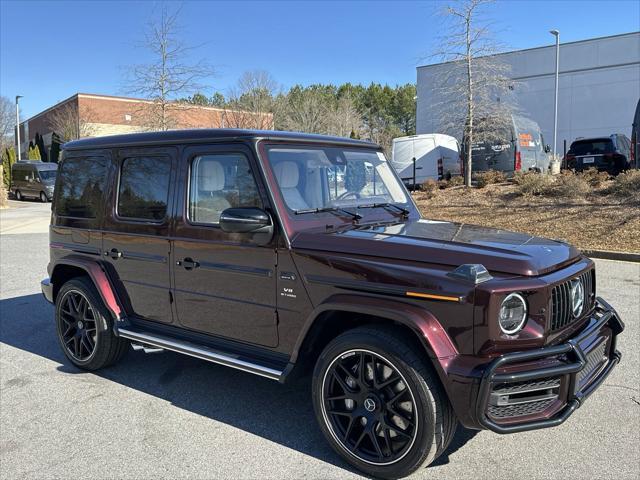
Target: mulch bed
point(597, 222)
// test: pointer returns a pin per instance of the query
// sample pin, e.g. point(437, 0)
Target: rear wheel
point(85, 327)
point(19, 196)
point(379, 404)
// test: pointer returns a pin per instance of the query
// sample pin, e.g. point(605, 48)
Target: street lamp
point(18, 97)
point(556, 34)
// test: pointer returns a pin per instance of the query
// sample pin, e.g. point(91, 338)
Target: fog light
point(513, 313)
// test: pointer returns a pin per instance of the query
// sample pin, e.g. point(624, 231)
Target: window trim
point(187, 202)
point(148, 221)
point(58, 190)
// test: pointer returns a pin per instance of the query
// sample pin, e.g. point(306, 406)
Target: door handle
point(114, 253)
point(188, 263)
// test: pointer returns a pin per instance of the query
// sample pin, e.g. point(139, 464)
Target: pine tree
point(8, 159)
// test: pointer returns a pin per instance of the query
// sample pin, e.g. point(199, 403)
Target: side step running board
point(199, 351)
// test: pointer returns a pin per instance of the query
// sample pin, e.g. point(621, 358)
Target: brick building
point(89, 115)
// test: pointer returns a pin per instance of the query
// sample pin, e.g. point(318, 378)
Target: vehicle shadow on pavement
point(279, 413)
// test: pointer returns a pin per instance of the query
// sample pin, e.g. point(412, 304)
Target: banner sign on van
point(526, 140)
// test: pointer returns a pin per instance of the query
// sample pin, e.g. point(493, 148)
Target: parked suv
point(274, 252)
point(608, 154)
point(33, 179)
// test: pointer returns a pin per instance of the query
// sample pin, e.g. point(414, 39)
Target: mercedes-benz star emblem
point(370, 404)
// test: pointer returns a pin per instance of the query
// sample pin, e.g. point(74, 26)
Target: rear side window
point(144, 188)
point(81, 186)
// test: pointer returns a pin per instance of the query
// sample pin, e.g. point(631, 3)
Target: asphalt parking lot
point(169, 416)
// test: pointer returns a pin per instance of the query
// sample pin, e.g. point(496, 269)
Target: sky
point(50, 50)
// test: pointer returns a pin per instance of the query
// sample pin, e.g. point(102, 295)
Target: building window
point(144, 188)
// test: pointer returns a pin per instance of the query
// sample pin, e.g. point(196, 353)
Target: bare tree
point(305, 110)
point(7, 121)
point(473, 87)
point(168, 76)
point(253, 102)
point(68, 124)
point(344, 118)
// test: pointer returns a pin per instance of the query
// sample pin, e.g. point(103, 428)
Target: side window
point(81, 186)
point(218, 182)
point(144, 188)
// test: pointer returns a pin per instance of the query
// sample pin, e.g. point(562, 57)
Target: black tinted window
point(144, 187)
point(592, 147)
point(81, 186)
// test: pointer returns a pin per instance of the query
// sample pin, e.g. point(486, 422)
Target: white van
point(418, 158)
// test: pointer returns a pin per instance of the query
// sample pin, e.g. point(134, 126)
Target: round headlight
point(577, 296)
point(513, 313)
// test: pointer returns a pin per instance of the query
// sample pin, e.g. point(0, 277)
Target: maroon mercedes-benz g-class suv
point(270, 252)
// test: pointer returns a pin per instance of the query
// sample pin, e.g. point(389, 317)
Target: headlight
point(513, 313)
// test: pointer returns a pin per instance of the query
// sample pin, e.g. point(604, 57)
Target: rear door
point(136, 241)
point(225, 284)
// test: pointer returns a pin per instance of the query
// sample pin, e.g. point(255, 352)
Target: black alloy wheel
point(78, 322)
point(85, 327)
point(369, 407)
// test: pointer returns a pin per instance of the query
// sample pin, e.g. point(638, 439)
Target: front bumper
point(47, 289)
point(562, 375)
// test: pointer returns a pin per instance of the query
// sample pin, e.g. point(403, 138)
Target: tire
point(86, 334)
point(407, 423)
point(19, 196)
point(43, 197)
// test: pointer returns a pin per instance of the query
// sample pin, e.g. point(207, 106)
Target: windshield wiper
point(403, 211)
point(336, 210)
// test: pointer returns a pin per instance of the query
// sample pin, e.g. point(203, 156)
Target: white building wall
point(599, 87)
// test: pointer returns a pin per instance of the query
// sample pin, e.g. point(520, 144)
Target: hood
point(445, 243)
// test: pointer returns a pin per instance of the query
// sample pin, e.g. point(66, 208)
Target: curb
point(609, 255)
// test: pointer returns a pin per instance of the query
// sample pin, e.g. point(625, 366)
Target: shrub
point(594, 177)
point(489, 177)
point(454, 181)
point(3, 196)
point(429, 187)
point(626, 184)
point(532, 183)
point(569, 185)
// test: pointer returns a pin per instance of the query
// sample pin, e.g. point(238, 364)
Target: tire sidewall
point(88, 291)
point(423, 446)
point(19, 196)
point(43, 197)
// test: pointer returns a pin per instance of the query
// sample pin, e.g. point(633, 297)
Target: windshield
point(319, 178)
point(47, 176)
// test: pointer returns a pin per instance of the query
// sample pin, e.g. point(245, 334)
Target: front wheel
point(379, 403)
point(19, 195)
point(43, 197)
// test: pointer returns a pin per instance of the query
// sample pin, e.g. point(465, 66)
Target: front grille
point(595, 358)
point(561, 311)
point(523, 398)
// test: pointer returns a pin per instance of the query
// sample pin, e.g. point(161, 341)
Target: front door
point(224, 284)
point(136, 241)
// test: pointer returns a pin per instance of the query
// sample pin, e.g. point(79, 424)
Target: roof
point(208, 134)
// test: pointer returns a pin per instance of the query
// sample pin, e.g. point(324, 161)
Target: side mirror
point(245, 220)
point(547, 149)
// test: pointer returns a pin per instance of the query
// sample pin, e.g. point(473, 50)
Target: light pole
point(18, 97)
point(556, 34)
